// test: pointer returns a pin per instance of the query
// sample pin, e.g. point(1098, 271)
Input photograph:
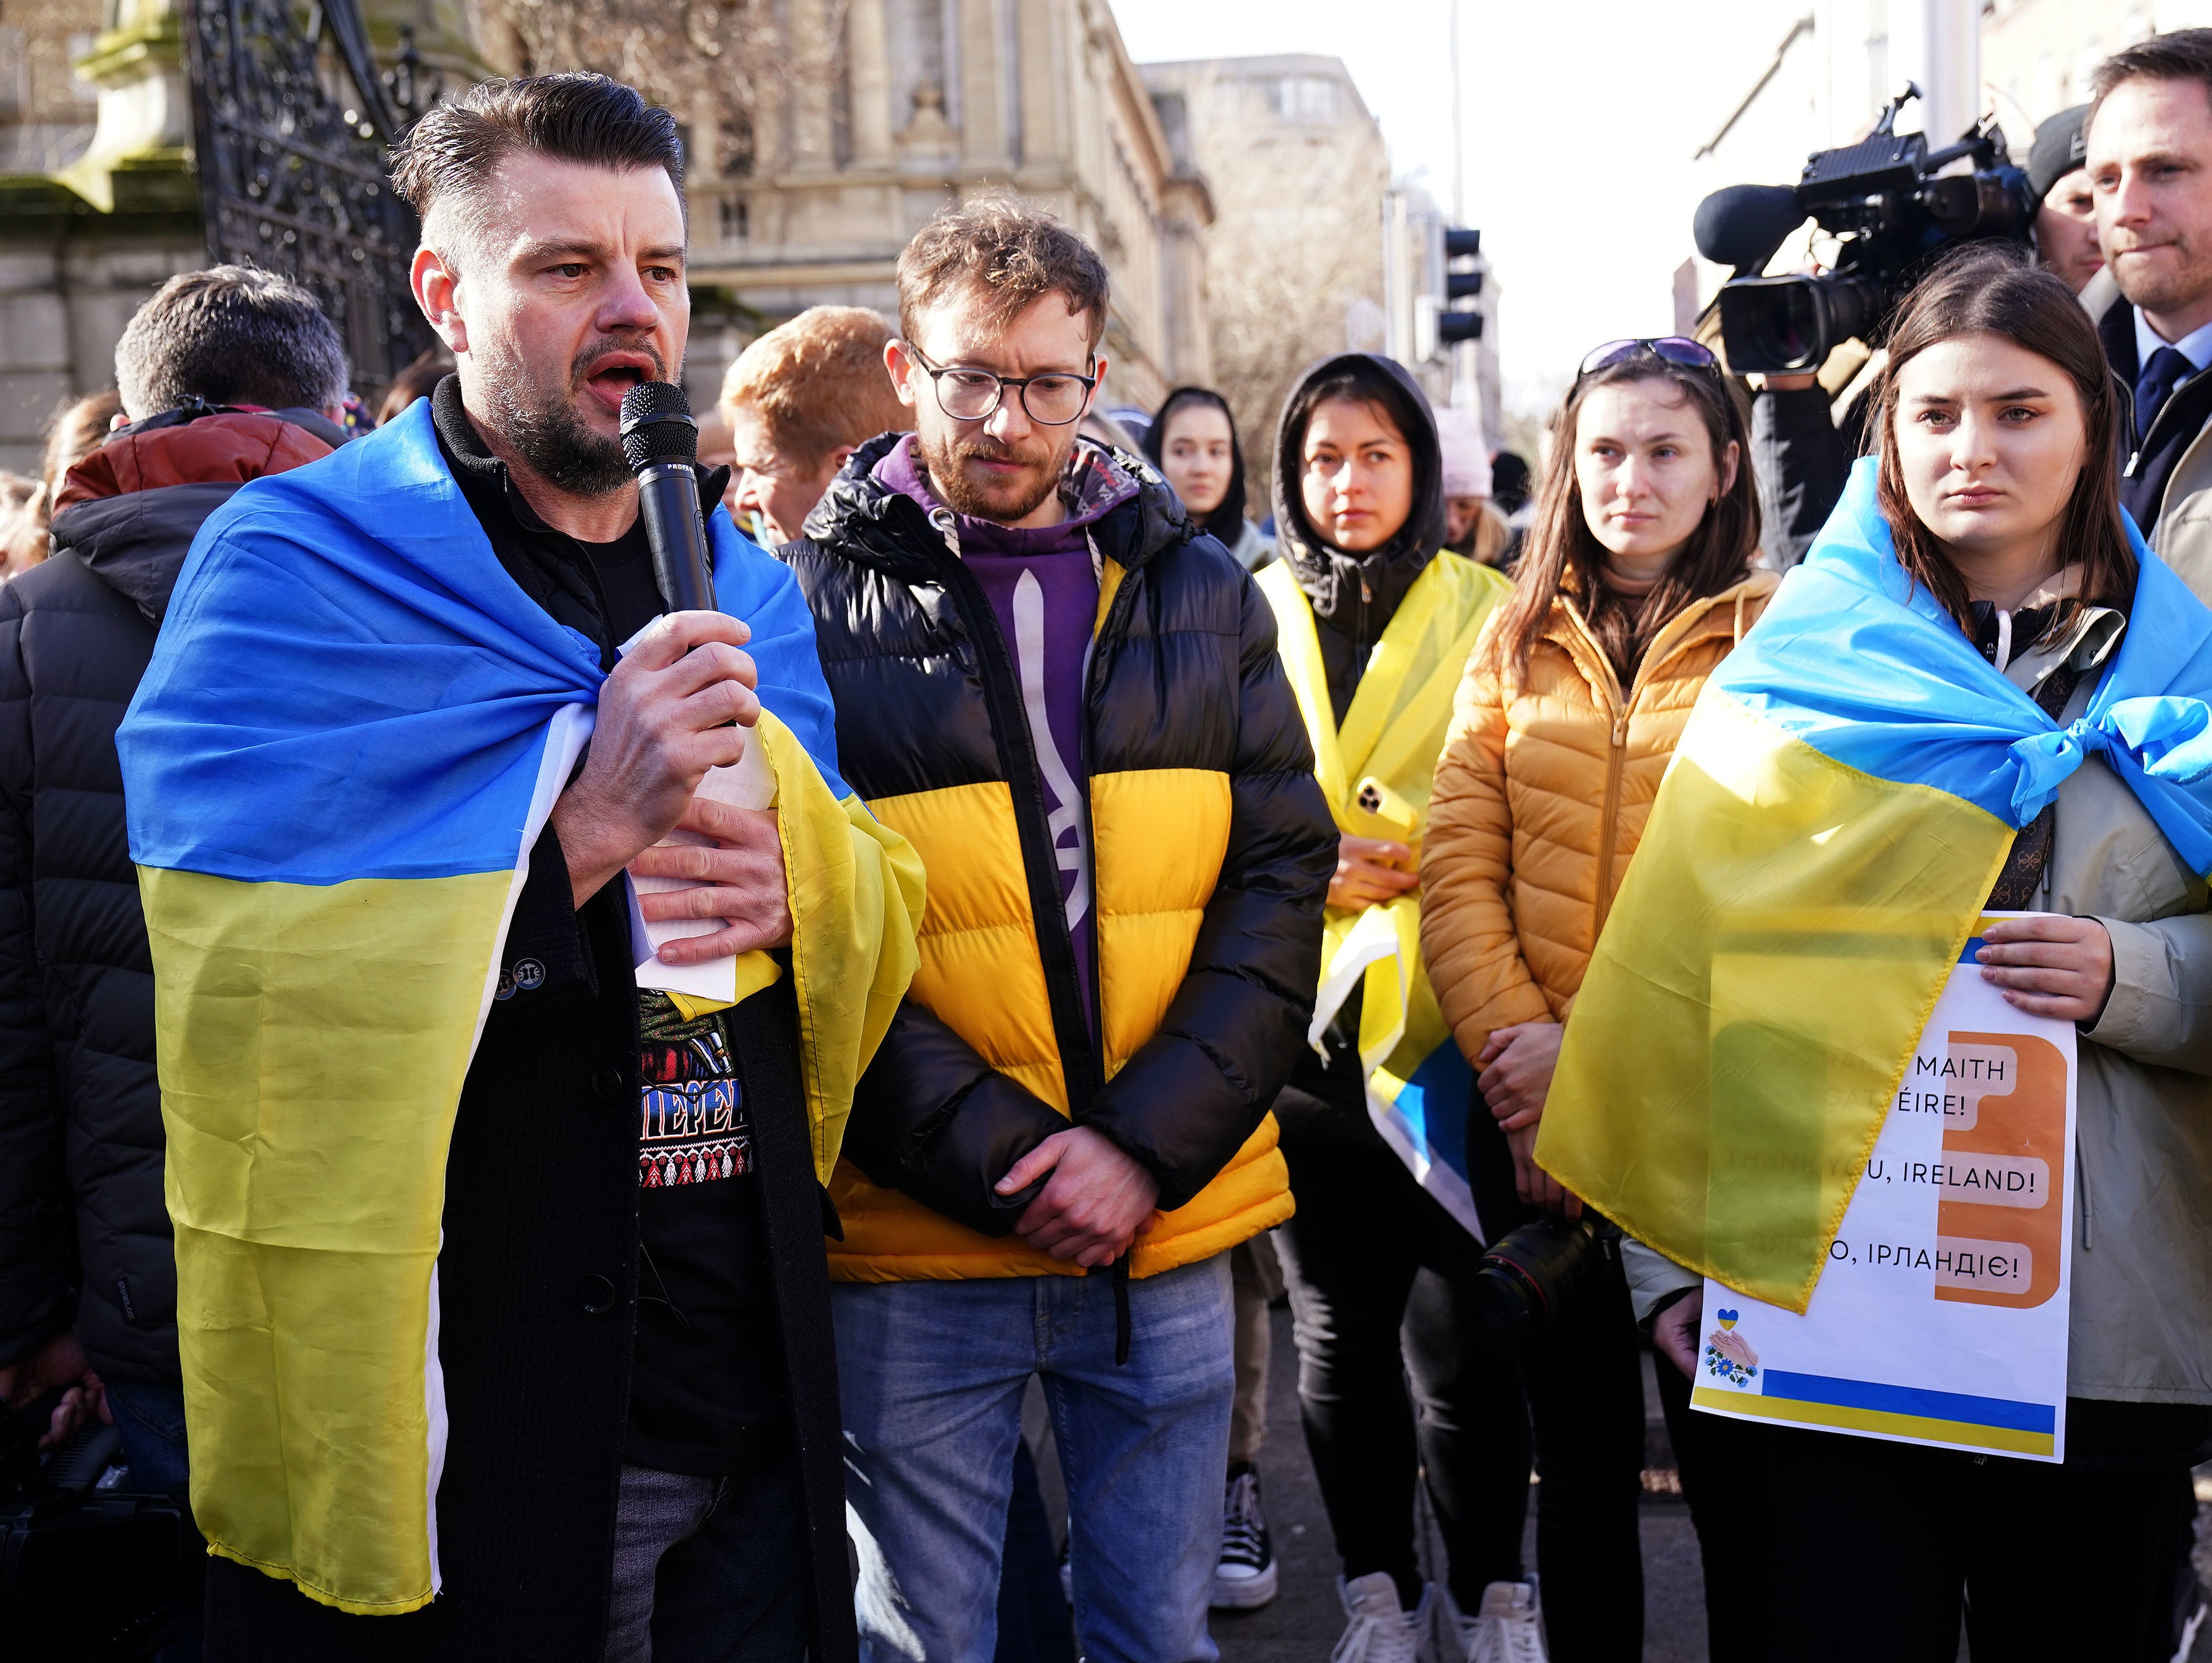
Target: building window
point(737, 219)
point(1305, 98)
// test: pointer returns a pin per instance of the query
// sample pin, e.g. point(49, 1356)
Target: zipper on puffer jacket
point(1081, 1071)
point(1082, 1067)
point(1607, 685)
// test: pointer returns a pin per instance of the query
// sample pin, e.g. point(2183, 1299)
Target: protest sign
point(1940, 1317)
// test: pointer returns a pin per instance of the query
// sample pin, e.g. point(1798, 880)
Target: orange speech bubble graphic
point(2002, 1173)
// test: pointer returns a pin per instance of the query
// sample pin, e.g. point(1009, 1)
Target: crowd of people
point(1025, 920)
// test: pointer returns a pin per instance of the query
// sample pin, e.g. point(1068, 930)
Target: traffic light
point(1462, 247)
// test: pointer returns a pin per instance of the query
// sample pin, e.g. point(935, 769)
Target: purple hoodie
point(1043, 590)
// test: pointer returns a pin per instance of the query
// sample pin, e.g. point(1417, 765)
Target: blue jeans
point(932, 1374)
point(151, 1420)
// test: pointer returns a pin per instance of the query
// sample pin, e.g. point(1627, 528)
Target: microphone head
point(656, 425)
point(1741, 225)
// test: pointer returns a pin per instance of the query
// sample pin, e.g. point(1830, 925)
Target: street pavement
point(1305, 1620)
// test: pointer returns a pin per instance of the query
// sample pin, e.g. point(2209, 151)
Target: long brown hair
point(1561, 544)
point(1987, 289)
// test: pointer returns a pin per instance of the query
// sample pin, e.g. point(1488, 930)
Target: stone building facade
point(883, 113)
point(921, 104)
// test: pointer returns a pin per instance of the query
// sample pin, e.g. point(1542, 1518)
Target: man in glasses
point(1070, 700)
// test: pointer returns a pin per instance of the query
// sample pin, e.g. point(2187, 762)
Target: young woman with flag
point(1634, 583)
point(1374, 620)
point(1981, 690)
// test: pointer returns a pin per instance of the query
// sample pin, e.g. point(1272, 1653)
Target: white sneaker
point(1245, 1577)
point(1379, 1629)
point(1508, 1629)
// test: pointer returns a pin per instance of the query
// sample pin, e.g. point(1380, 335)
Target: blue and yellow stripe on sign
point(1894, 1411)
point(1418, 1086)
point(1839, 805)
point(353, 729)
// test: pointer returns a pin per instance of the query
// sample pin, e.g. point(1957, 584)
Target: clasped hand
point(1517, 1062)
point(1098, 1201)
point(681, 701)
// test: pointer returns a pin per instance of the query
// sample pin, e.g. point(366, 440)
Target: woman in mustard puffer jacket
point(1636, 582)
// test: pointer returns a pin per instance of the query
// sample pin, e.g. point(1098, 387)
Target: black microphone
point(661, 442)
point(1743, 225)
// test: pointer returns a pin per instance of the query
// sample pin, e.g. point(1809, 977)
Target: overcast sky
point(1581, 116)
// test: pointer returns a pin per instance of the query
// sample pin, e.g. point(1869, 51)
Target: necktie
point(2166, 370)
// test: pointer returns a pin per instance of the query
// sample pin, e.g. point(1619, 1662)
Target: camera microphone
point(661, 442)
point(1743, 225)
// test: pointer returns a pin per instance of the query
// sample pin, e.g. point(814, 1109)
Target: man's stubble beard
point(942, 454)
point(2189, 283)
point(546, 430)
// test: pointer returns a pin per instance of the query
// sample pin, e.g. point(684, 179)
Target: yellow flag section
point(1376, 772)
point(1781, 937)
point(857, 897)
point(313, 1040)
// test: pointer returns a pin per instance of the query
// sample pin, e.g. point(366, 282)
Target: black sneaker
point(1244, 1578)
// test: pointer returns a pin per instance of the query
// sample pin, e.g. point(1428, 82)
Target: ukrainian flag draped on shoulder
point(1417, 1084)
point(1842, 800)
point(352, 729)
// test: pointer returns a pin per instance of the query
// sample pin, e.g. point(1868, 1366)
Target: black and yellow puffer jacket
point(1212, 849)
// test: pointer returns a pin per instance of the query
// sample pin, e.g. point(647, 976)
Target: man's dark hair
point(581, 118)
point(2178, 55)
point(229, 335)
point(1011, 254)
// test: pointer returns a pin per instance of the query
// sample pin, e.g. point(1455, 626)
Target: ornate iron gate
point(292, 125)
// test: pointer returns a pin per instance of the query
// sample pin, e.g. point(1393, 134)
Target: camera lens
point(1507, 1300)
point(1789, 325)
point(1531, 1273)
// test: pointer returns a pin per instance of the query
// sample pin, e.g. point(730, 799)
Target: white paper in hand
point(750, 784)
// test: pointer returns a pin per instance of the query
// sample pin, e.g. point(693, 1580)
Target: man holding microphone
point(501, 1294)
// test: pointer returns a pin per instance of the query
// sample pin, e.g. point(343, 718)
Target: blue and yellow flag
point(1842, 800)
point(1376, 772)
point(352, 729)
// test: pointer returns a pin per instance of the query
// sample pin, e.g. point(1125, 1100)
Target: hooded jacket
point(1375, 743)
point(1227, 522)
point(1354, 597)
point(1212, 853)
point(84, 1230)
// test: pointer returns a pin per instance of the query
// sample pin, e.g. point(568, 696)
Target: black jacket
point(2148, 457)
point(84, 1229)
point(1801, 460)
point(1183, 676)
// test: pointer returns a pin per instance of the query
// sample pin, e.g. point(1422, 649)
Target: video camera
point(1882, 198)
point(88, 1572)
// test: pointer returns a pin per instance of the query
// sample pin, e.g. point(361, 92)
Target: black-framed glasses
point(1677, 350)
point(1051, 400)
